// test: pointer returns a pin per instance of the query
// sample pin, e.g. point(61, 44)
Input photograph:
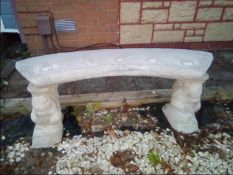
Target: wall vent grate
point(65, 25)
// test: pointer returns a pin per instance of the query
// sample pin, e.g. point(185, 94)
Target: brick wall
point(187, 23)
point(97, 21)
point(134, 23)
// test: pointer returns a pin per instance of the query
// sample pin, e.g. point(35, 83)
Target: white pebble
point(18, 159)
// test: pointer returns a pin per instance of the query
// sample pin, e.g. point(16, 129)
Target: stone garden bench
point(46, 72)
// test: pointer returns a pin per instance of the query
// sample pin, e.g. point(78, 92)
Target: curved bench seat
point(66, 67)
point(46, 72)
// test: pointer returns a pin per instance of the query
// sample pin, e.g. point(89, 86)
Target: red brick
point(36, 52)
point(113, 4)
point(73, 43)
point(21, 1)
point(32, 30)
point(104, 38)
point(82, 29)
point(97, 21)
point(87, 21)
point(27, 20)
point(113, 28)
point(64, 14)
point(37, 7)
point(67, 35)
point(34, 42)
point(85, 5)
point(20, 7)
point(60, 5)
point(97, 28)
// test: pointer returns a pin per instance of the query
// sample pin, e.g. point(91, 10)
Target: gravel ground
point(125, 151)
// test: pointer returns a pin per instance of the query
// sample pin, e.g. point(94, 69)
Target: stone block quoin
point(133, 23)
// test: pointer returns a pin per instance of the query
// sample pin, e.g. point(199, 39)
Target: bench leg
point(47, 115)
point(185, 101)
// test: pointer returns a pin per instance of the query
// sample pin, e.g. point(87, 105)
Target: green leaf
point(108, 118)
point(153, 157)
point(96, 106)
point(73, 113)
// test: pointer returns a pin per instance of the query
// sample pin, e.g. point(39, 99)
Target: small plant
point(125, 106)
point(91, 108)
point(153, 157)
point(73, 113)
point(3, 83)
point(108, 119)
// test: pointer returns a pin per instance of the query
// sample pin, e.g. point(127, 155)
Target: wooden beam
point(22, 106)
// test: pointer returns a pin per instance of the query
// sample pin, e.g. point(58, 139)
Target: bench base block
point(47, 136)
point(181, 121)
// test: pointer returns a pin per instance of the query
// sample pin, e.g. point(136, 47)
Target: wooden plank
point(111, 99)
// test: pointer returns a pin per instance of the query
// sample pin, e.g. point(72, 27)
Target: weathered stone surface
point(222, 31)
point(152, 4)
point(223, 2)
point(228, 14)
point(47, 115)
point(209, 14)
point(163, 26)
point(205, 3)
point(200, 32)
point(167, 4)
point(130, 12)
point(182, 10)
point(189, 32)
point(134, 34)
point(168, 36)
point(193, 26)
point(185, 101)
point(154, 16)
point(177, 26)
point(47, 72)
point(193, 39)
point(54, 69)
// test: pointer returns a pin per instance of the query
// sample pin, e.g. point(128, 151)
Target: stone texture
point(167, 4)
point(182, 10)
point(130, 12)
point(223, 2)
point(209, 14)
point(193, 26)
point(152, 4)
point(193, 39)
point(48, 71)
point(222, 31)
point(163, 26)
point(185, 102)
point(205, 3)
point(154, 16)
point(168, 36)
point(199, 32)
point(134, 34)
point(189, 32)
point(46, 114)
point(228, 14)
point(177, 26)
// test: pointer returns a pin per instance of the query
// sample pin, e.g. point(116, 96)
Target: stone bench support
point(45, 73)
point(185, 101)
point(46, 114)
